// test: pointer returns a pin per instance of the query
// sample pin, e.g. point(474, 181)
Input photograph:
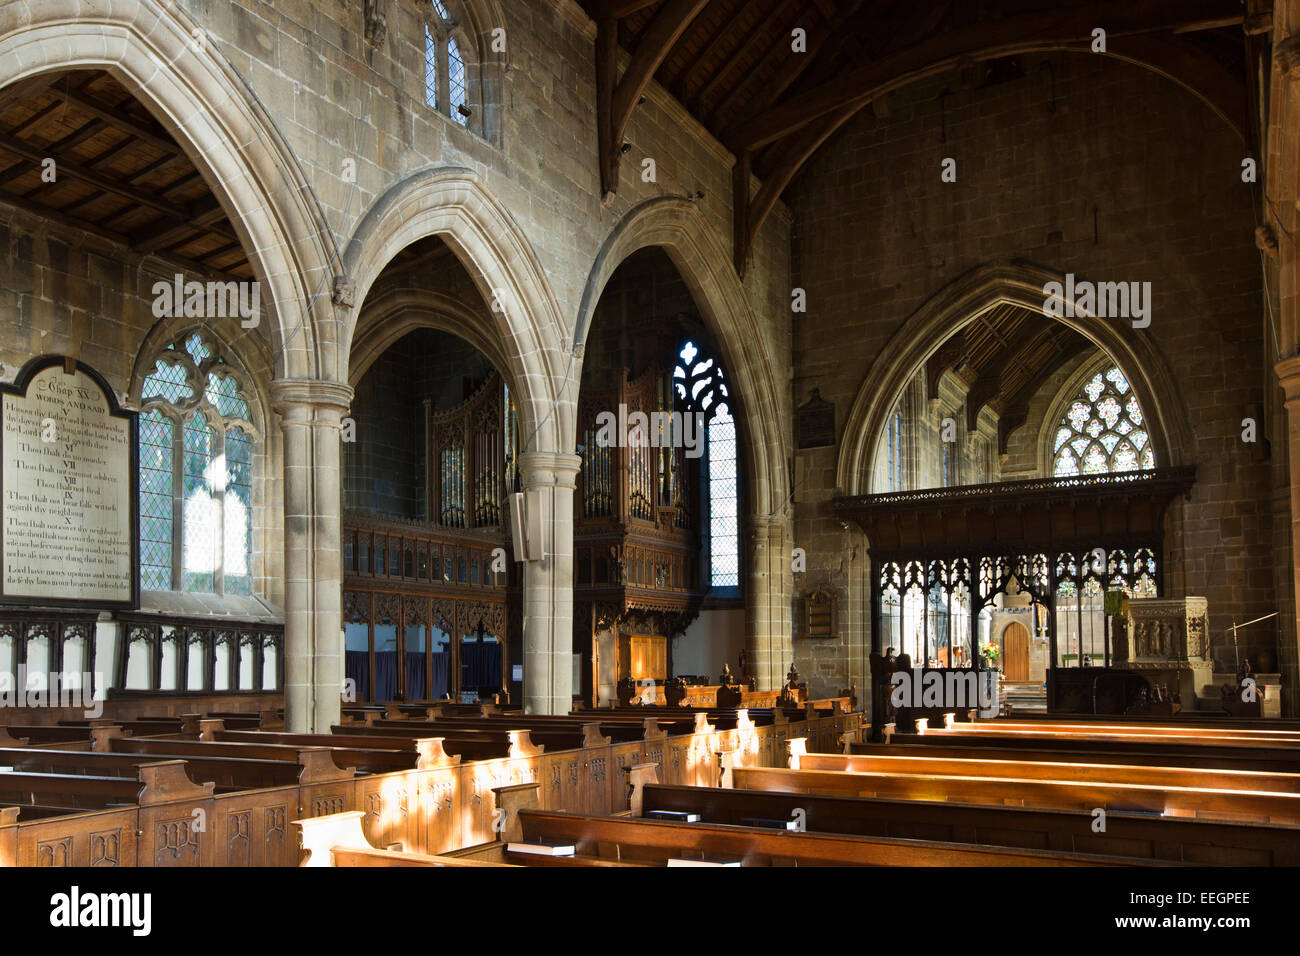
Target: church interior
point(586, 433)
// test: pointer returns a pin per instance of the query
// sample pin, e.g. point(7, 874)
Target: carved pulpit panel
point(1167, 630)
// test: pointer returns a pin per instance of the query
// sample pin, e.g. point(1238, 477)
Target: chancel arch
point(1014, 284)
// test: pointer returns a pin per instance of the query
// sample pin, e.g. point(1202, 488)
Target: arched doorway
point(1015, 652)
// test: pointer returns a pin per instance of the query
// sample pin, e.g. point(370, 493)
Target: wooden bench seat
point(1125, 733)
point(1048, 794)
point(1276, 757)
point(233, 772)
point(1173, 839)
point(655, 842)
point(1203, 728)
point(1094, 771)
point(363, 761)
point(354, 740)
point(1119, 754)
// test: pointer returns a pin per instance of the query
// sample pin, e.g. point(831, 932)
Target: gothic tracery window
point(196, 441)
point(701, 386)
point(1102, 430)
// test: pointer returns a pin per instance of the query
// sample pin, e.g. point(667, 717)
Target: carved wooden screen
point(649, 657)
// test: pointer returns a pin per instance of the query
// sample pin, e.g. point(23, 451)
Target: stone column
point(311, 414)
point(1288, 373)
point(767, 600)
point(548, 586)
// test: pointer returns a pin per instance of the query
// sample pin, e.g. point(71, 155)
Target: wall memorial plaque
point(68, 520)
point(815, 422)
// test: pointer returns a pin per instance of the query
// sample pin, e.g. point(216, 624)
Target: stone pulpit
point(1167, 641)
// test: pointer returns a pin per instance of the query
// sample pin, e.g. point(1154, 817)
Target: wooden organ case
point(430, 607)
point(636, 535)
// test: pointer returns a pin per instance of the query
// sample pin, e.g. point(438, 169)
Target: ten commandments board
point(68, 531)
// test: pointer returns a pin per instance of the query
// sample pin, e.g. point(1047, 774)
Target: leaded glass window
point(446, 85)
point(197, 438)
point(1102, 430)
point(701, 386)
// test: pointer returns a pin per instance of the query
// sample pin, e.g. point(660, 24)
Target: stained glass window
point(196, 465)
point(1102, 430)
point(701, 386)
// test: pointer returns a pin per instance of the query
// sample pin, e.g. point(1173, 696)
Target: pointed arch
point(390, 317)
point(163, 58)
point(1019, 283)
point(679, 228)
point(523, 318)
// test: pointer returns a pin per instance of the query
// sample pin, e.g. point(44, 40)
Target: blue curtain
point(385, 675)
point(481, 666)
point(357, 668)
point(441, 676)
point(415, 675)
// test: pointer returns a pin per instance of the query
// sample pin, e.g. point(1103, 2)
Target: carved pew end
point(637, 776)
point(795, 748)
point(319, 835)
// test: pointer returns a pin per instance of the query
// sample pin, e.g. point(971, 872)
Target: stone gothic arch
point(1014, 283)
point(161, 55)
point(678, 227)
point(525, 327)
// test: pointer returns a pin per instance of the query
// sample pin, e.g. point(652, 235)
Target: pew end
point(509, 801)
point(168, 781)
point(638, 776)
point(101, 736)
point(521, 744)
point(316, 765)
point(431, 754)
point(318, 836)
point(726, 761)
point(795, 748)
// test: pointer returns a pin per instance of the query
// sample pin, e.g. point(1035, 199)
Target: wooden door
point(1015, 652)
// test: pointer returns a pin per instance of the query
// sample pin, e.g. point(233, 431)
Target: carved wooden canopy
point(1039, 514)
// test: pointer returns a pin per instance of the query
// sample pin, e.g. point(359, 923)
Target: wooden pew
point(1048, 794)
point(355, 740)
point(1174, 839)
point(1264, 756)
point(363, 760)
point(154, 782)
point(1123, 733)
point(1096, 771)
point(655, 842)
point(337, 839)
point(226, 772)
point(1111, 754)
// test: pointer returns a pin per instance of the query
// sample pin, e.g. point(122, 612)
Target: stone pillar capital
point(290, 395)
point(1286, 55)
point(1288, 376)
point(547, 469)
